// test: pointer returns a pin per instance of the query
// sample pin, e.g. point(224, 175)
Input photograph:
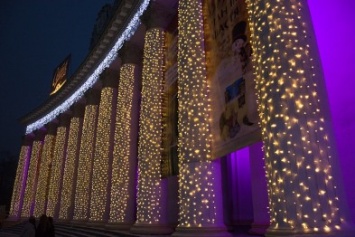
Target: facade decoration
point(190, 118)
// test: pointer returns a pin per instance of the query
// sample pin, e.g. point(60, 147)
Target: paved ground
point(66, 230)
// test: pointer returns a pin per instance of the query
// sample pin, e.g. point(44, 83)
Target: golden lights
point(19, 184)
point(196, 179)
point(57, 171)
point(102, 154)
point(31, 179)
point(87, 144)
point(121, 165)
point(69, 168)
point(149, 191)
point(302, 193)
point(42, 187)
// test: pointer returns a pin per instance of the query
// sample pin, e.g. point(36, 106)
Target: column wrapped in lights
point(151, 194)
point(124, 165)
point(31, 183)
point(199, 178)
point(86, 156)
point(71, 162)
point(45, 169)
point(59, 157)
point(101, 175)
point(21, 177)
point(298, 146)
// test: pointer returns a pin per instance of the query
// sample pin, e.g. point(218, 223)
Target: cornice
point(114, 29)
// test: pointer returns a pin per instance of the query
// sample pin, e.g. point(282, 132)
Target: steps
point(67, 230)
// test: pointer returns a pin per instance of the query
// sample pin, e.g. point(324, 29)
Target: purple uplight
point(333, 22)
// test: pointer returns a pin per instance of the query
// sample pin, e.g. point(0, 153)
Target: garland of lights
point(20, 182)
point(77, 95)
point(45, 162)
point(31, 179)
point(302, 193)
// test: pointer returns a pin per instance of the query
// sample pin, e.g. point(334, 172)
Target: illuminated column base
point(201, 207)
point(259, 190)
point(160, 227)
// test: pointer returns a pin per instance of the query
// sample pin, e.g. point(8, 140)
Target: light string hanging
point(111, 55)
point(302, 193)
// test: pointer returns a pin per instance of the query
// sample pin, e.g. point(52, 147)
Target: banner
point(60, 76)
point(230, 71)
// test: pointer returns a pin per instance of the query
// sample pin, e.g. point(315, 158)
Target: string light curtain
point(21, 178)
point(149, 194)
point(86, 155)
point(295, 126)
point(102, 164)
point(59, 157)
point(29, 196)
point(124, 153)
point(199, 178)
point(70, 169)
point(45, 166)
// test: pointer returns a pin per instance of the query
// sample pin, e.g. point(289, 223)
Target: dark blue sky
point(35, 36)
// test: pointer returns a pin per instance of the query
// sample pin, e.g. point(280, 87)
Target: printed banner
point(230, 71)
point(60, 76)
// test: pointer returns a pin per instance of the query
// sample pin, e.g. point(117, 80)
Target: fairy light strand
point(121, 166)
point(196, 171)
point(92, 79)
point(57, 171)
point(20, 180)
point(102, 155)
point(31, 179)
point(46, 160)
point(87, 144)
point(296, 143)
point(149, 191)
point(69, 168)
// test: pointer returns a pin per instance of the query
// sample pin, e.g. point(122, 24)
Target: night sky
point(35, 37)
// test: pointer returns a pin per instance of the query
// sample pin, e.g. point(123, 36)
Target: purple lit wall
point(334, 24)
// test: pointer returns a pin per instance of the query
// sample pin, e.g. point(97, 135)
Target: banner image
point(60, 76)
point(230, 71)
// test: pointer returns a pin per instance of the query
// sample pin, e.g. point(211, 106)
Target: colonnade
point(99, 163)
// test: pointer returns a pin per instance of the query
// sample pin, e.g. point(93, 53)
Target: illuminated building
point(200, 117)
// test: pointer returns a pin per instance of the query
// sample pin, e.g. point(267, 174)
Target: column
point(102, 164)
point(71, 163)
point(57, 166)
point(301, 161)
point(21, 177)
point(124, 166)
point(86, 157)
point(201, 209)
point(259, 190)
point(45, 169)
point(31, 183)
point(151, 193)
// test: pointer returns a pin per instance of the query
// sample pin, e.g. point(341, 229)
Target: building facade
point(190, 118)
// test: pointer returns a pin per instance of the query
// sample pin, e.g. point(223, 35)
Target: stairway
point(67, 230)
